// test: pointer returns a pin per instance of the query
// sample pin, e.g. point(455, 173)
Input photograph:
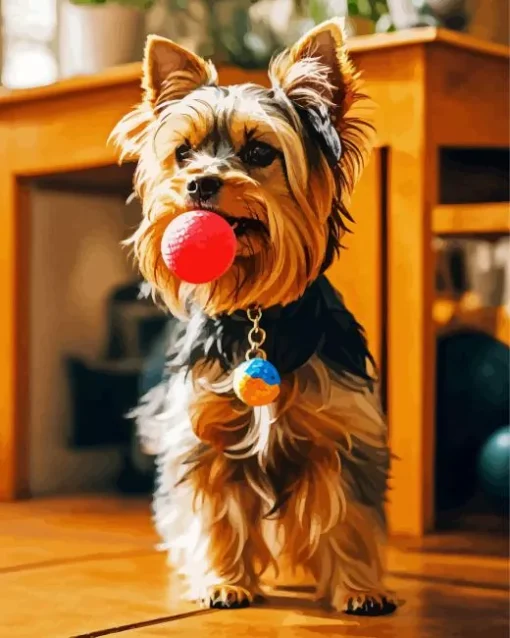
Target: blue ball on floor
point(494, 466)
point(472, 381)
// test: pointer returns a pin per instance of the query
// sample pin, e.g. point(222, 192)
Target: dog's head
point(277, 163)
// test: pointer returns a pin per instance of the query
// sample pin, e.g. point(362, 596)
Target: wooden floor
point(87, 567)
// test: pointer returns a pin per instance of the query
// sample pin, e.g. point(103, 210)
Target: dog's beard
point(279, 250)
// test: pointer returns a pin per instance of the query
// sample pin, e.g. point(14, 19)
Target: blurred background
point(95, 346)
point(44, 40)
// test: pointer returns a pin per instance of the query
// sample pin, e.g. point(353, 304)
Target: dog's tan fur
point(214, 525)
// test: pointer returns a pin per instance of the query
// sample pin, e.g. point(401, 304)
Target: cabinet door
point(359, 271)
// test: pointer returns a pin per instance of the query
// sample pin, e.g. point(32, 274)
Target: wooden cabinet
point(433, 90)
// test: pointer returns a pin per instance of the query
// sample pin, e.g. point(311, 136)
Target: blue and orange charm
point(256, 380)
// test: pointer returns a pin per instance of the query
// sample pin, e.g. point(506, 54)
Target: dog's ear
point(317, 68)
point(171, 71)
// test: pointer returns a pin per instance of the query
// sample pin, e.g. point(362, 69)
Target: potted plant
point(247, 33)
point(97, 34)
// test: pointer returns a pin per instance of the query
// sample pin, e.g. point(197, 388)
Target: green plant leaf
point(364, 8)
point(143, 5)
point(317, 11)
point(178, 5)
point(88, 1)
point(352, 8)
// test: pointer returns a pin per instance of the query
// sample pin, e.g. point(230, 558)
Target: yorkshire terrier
point(306, 477)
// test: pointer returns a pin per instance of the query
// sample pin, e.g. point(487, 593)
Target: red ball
point(199, 246)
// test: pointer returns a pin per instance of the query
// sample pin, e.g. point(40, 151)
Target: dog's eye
point(182, 152)
point(258, 154)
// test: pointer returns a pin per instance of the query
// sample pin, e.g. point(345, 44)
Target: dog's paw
point(368, 605)
point(226, 597)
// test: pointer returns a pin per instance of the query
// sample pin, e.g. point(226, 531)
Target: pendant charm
point(256, 380)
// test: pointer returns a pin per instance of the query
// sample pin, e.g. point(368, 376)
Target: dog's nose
point(203, 188)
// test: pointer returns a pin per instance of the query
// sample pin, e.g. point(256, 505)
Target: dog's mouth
point(243, 226)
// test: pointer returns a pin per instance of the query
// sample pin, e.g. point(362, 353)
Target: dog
point(304, 478)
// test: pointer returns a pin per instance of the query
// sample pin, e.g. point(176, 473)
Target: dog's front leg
point(339, 541)
point(348, 565)
point(227, 512)
point(334, 520)
point(234, 546)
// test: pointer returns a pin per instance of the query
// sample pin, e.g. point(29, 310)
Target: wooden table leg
point(357, 274)
point(14, 335)
point(411, 341)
